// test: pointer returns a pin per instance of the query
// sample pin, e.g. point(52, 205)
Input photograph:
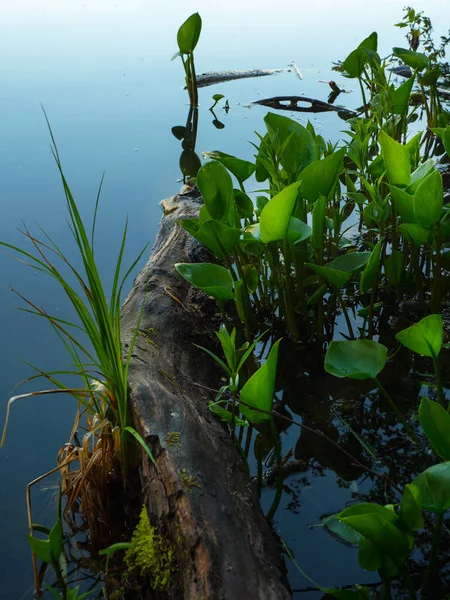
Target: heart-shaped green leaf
point(241, 169)
point(428, 200)
point(396, 159)
point(356, 359)
point(435, 422)
point(434, 485)
point(276, 215)
point(212, 279)
point(425, 337)
point(189, 34)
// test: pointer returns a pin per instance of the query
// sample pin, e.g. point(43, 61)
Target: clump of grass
point(103, 368)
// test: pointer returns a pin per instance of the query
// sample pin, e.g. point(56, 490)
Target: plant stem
point(436, 292)
point(279, 489)
point(394, 407)
point(437, 373)
point(347, 319)
point(430, 572)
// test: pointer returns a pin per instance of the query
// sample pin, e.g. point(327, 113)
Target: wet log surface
point(201, 496)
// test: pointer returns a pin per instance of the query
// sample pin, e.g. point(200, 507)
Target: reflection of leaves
point(179, 131)
point(218, 124)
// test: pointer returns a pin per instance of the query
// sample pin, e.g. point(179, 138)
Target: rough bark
point(201, 495)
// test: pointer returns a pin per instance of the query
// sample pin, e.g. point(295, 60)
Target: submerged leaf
point(356, 359)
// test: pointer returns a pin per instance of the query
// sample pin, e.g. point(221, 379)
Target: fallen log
point(200, 496)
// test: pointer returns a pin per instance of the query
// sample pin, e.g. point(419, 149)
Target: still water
point(102, 71)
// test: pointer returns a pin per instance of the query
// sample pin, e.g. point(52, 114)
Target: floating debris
point(220, 76)
point(314, 105)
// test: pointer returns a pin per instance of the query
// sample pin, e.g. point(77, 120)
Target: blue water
point(102, 71)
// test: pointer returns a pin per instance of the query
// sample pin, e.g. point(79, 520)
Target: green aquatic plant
point(187, 39)
point(384, 535)
point(151, 554)
point(104, 368)
point(425, 338)
point(362, 359)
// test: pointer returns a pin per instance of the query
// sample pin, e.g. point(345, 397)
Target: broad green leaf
point(276, 215)
point(251, 277)
point(411, 508)
point(404, 203)
point(400, 97)
point(299, 151)
point(425, 337)
point(377, 167)
point(49, 550)
point(354, 63)
point(446, 140)
point(341, 530)
point(216, 187)
point(370, 42)
point(212, 279)
point(369, 275)
point(434, 485)
point(241, 169)
point(241, 300)
point(393, 267)
point(356, 359)
point(189, 34)
point(352, 262)
point(414, 233)
point(435, 422)
point(370, 556)
point(251, 240)
point(428, 200)
point(335, 277)
point(396, 159)
point(319, 178)
point(243, 204)
point(419, 174)
point(431, 76)
point(214, 235)
point(363, 508)
point(259, 390)
point(217, 97)
point(415, 60)
point(298, 231)
point(380, 531)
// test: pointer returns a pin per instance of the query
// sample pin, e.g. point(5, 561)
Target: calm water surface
point(102, 71)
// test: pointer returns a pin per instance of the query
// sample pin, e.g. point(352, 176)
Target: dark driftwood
point(201, 496)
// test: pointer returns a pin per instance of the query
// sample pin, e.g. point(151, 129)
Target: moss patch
point(151, 554)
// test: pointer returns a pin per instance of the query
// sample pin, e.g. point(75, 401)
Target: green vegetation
point(334, 231)
point(151, 554)
point(337, 230)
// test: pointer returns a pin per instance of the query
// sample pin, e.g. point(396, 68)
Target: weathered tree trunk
point(200, 496)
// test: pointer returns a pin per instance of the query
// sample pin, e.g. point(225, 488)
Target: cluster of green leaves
point(286, 254)
point(385, 535)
